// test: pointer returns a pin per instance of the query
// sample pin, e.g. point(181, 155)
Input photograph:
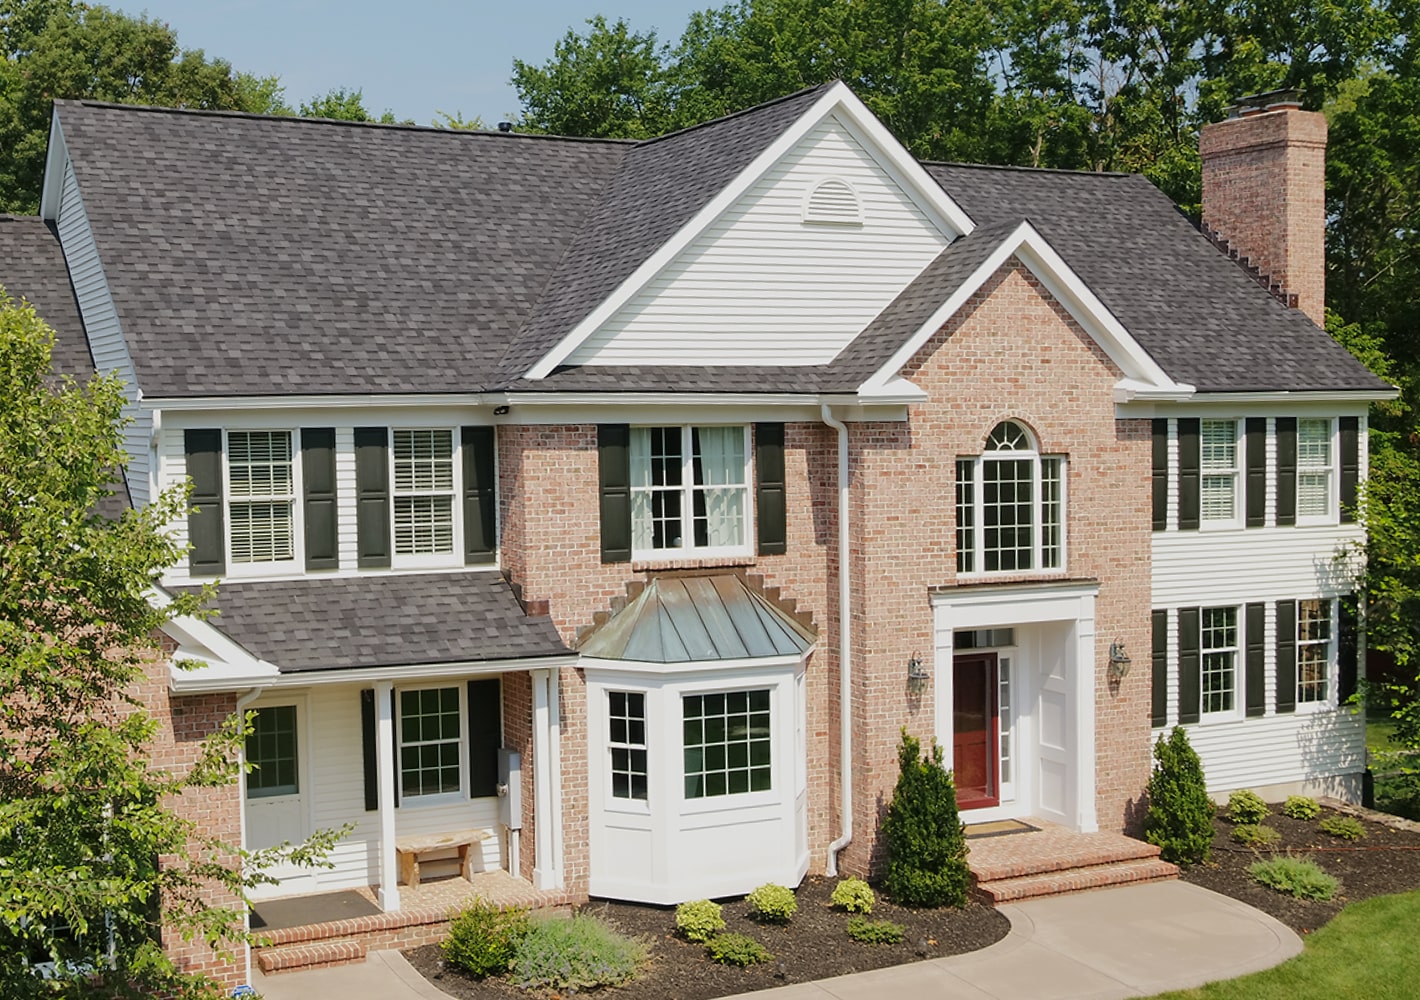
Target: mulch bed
point(814, 946)
point(1386, 861)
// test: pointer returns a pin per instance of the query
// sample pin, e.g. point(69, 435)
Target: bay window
point(1010, 506)
point(626, 715)
point(690, 490)
point(727, 743)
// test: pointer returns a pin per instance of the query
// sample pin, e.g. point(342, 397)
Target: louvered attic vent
point(835, 202)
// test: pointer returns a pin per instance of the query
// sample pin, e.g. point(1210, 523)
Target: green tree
point(1180, 816)
point(342, 105)
point(261, 95)
point(84, 814)
point(457, 122)
point(926, 842)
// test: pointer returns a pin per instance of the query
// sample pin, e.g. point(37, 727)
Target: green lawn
point(1378, 742)
point(1367, 952)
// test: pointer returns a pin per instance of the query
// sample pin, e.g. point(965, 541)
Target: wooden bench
point(410, 848)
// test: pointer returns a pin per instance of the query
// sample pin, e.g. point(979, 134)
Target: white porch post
point(384, 754)
point(547, 781)
point(1085, 761)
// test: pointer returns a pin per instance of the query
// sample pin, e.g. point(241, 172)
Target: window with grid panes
point(261, 496)
point(429, 741)
point(1010, 506)
point(271, 749)
point(689, 489)
point(626, 712)
point(726, 744)
point(1219, 648)
point(1313, 650)
point(1314, 469)
point(423, 470)
point(1218, 470)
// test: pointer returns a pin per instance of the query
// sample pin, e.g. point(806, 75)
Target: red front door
point(976, 728)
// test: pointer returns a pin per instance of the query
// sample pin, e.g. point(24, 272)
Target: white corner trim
point(857, 118)
point(1066, 287)
point(52, 191)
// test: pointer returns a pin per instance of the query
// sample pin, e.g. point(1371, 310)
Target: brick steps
point(1060, 880)
point(310, 955)
point(1085, 851)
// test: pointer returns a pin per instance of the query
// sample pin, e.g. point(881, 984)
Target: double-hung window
point(690, 490)
point(1218, 471)
point(1314, 471)
point(261, 485)
point(423, 492)
point(430, 742)
point(1313, 651)
point(626, 715)
point(1219, 649)
point(1010, 506)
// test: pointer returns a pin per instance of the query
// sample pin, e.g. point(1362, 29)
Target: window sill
point(643, 562)
point(431, 801)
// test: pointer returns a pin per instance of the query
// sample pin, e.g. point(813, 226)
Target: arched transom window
point(1010, 505)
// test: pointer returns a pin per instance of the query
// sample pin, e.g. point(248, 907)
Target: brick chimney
point(1264, 193)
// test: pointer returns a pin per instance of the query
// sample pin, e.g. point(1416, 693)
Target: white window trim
point(1236, 520)
point(429, 560)
point(407, 801)
point(1329, 702)
point(236, 570)
point(687, 490)
point(978, 513)
point(1239, 651)
point(1333, 477)
point(613, 803)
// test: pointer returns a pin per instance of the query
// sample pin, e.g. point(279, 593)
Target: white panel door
point(1054, 742)
point(276, 805)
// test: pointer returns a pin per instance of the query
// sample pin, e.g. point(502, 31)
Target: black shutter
point(372, 758)
point(1286, 656)
point(1188, 482)
point(1286, 471)
point(1256, 646)
point(205, 526)
point(1348, 650)
point(1160, 707)
point(1350, 467)
point(480, 497)
point(1161, 475)
point(1190, 676)
point(614, 474)
point(1256, 438)
point(372, 496)
point(318, 487)
point(770, 514)
point(485, 736)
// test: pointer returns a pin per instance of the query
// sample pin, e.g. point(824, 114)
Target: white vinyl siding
point(1271, 564)
point(760, 286)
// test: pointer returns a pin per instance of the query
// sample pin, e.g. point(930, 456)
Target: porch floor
point(1052, 859)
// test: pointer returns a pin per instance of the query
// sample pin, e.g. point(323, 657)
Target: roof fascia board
point(423, 671)
point(1032, 249)
point(54, 160)
point(361, 401)
point(1232, 404)
point(680, 408)
point(700, 668)
point(837, 98)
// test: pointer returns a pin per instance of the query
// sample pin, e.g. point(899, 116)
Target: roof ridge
point(310, 120)
point(738, 114)
point(1030, 170)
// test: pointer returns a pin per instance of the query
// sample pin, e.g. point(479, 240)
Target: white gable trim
point(861, 123)
point(1142, 375)
point(213, 661)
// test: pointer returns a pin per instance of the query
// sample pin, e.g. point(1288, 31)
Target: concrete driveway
point(1109, 944)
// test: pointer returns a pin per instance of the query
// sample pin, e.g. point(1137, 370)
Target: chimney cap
point(1272, 100)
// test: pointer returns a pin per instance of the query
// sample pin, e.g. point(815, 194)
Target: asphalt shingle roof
point(386, 620)
point(32, 268)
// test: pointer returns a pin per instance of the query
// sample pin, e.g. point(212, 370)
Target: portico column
point(384, 754)
point(547, 781)
point(1086, 664)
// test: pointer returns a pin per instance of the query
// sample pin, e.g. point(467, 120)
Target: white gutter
point(196, 684)
point(845, 687)
point(242, 704)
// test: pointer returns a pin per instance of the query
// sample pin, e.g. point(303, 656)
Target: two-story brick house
point(694, 469)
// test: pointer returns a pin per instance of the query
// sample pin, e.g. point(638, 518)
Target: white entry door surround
point(1052, 725)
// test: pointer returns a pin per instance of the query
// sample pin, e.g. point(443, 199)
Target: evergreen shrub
point(1255, 835)
point(866, 931)
point(1343, 827)
point(737, 949)
point(1180, 816)
point(577, 953)
point(1299, 877)
point(1301, 807)
point(1246, 807)
point(853, 895)
point(772, 904)
point(926, 842)
point(483, 939)
point(699, 920)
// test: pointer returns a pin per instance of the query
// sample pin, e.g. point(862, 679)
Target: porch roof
point(385, 620)
point(685, 618)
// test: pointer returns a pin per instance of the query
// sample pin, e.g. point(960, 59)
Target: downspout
point(845, 687)
point(241, 708)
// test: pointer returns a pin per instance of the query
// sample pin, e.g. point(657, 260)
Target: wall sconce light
point(1118, 662)
point(917, 675)
point(500, 411)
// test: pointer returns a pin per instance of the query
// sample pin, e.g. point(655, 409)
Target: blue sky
point(413, 57)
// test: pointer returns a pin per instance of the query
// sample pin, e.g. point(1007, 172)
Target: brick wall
point(1264, 191)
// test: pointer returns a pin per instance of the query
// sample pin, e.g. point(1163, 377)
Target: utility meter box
point(510, 788)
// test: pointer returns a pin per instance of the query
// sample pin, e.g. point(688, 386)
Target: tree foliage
point(1180, 816)
point(342, 105)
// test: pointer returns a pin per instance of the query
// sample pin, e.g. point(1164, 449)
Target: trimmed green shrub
point(1255, 835)
point(1180, 816)
point(737, 949)
point(853, 895)
point(926, 843)
point(582, 952)
point(867, 931)
point(1246, 807)
point(1344, 827)
point(1301, 807)
point(699, 920)
point(1298, 877)
point(772, 904)
point(483, 939)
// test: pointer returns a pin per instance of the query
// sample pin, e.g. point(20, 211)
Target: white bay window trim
point(676, 491)
point(240, 463)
